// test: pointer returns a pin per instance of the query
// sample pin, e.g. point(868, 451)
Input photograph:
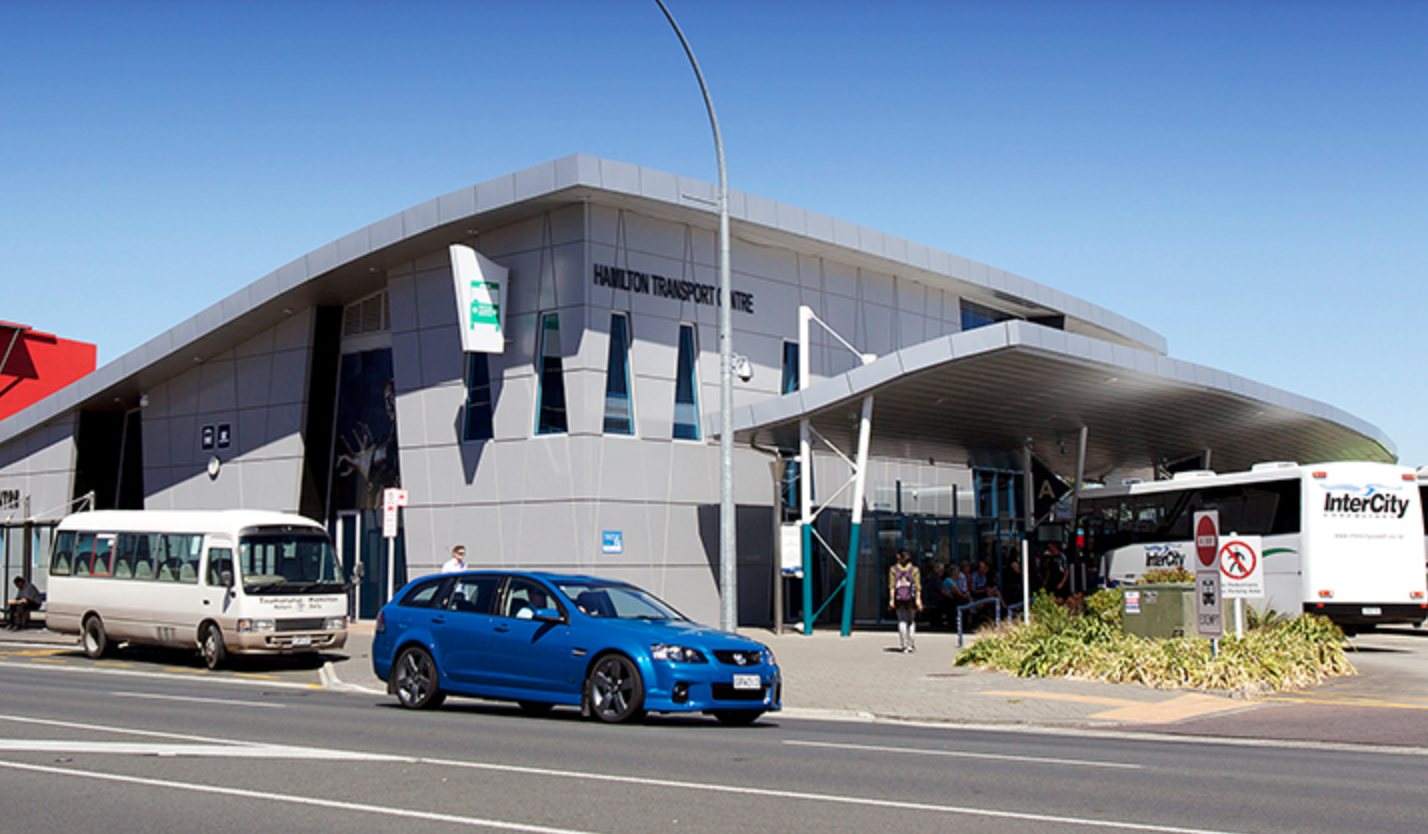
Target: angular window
point(476, 422)
point(619, 415)
point(975, 315)
point(550, 408)
point(686, 388)
point(790, 368)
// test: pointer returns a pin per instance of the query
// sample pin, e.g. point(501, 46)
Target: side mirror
point(547, 615)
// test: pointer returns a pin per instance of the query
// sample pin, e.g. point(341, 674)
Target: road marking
point(197, 700)
point(214, 747)
point(256, 676)
point(871, 802)
point(474, 822)
point(1343, 701)
point(91, 670)
point(1140, 712)
point(228, 751)
point(962, 754)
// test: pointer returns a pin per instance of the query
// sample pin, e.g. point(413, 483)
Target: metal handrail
point(969, 606)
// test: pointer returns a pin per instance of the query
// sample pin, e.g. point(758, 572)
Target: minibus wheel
point(212, 647)
point(96, 640)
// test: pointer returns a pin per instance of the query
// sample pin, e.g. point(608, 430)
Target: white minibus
point(1345, 540)
point(241, 581)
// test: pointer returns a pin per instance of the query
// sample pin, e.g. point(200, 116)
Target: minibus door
point(217, 596)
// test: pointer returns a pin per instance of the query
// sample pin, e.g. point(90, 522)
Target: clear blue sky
point(1249, 179)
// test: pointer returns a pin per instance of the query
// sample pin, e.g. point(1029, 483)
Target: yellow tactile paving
point(1138, 712)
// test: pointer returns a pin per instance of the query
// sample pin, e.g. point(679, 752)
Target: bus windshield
point(288, 562)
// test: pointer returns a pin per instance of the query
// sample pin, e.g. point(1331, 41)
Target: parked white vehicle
point(241, 581)
point(1345, 540)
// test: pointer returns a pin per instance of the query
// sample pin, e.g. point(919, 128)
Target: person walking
point(457, 562)
point(905, 598)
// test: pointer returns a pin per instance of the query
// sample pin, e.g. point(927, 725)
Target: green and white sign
point(479, 305)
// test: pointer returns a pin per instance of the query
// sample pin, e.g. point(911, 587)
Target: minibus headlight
point(334, 624)
point(246, 626)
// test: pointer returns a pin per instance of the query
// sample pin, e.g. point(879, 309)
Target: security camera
point(743, 368)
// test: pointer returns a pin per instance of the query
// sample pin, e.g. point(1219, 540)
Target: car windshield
point(288, 562)
point(617, 602)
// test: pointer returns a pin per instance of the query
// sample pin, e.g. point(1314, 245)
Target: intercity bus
point(1345, 540)
point(171, 578)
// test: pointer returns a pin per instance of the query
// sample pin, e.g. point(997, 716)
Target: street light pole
point(728, 555)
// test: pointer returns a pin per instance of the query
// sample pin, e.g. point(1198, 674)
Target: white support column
point(860, 476)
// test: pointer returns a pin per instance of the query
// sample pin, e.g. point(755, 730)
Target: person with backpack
point(905, 598)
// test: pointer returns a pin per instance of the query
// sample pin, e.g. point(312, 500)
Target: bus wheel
point(214, 652)
point(96, 641)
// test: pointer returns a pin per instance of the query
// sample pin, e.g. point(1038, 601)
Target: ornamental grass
point(1276, 653)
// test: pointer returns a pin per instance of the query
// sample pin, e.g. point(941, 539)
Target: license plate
point(747, 682)
point(1373, 611)
point(302, 640)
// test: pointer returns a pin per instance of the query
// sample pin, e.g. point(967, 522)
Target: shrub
point(1276, 653)
point(1156, 576)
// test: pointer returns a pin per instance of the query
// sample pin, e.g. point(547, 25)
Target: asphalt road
point(103, 748)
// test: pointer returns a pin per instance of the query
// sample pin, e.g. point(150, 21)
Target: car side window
point(523, 596)
point(474, 594)
point(426, 595)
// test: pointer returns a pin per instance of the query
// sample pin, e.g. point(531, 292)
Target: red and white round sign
point(1207, 536)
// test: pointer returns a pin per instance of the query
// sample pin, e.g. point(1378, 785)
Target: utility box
point(1160, 611)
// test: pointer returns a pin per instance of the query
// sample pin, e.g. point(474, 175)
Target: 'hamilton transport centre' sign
point(647, 283)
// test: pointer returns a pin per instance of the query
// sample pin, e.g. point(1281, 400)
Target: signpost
point(391, 500)
point(1209, 619)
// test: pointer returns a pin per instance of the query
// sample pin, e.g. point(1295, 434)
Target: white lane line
point(102, 728)
point(135, 673)
point(1005, 757)
point(892, 804)
point(139, 748)
point(404, 813)
point(197, 700)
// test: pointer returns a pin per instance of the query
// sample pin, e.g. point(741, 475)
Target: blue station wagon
point(543, 640)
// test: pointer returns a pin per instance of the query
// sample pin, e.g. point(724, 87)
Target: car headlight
point(245, 625)
point(334, 623)
point(769, 657)
point(676, 654)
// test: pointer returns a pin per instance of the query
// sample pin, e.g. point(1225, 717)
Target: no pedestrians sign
point(1241, 568)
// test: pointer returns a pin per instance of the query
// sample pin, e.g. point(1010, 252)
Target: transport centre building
point(909, 390)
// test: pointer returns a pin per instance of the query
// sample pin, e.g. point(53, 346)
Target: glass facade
point(975, 315)
point(550, 410)
point(686, 388)
point(619, 411)
point(790, 368)
point(476, 421)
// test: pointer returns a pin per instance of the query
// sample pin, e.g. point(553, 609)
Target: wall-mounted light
point(143, 400)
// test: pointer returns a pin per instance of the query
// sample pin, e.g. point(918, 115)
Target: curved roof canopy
point(977, 397)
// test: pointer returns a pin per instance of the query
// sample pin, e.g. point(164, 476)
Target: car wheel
point(535, 708)
point(416, 680)
point(614, 690)
point(212, 648)
point(96, 640)
point(738, 717)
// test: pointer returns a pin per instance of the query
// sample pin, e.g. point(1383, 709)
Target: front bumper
point(710, 687)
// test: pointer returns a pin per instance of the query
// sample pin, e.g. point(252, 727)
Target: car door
point(527, 654)
point(465, 628)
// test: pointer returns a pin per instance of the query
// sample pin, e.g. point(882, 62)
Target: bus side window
point(83, 554)
point(64, 554)
point(220, 559)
